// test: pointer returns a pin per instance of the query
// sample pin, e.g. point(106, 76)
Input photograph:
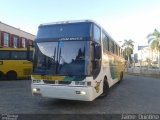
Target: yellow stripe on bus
point(47, 77)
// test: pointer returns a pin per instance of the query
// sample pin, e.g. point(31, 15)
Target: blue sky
point(123, 19)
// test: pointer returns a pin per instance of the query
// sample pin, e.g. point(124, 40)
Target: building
point(14, 37)
point(135, 57)
point(145, 52)
point(147, 56)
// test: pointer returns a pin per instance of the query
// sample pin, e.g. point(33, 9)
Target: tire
point(11, 75)
point(121, 77)
point(1, 75)
point(105, 88)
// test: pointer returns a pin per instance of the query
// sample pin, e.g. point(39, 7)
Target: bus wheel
point(121, 77)
point(1, 75)
point(105, 88)
point(11, 75)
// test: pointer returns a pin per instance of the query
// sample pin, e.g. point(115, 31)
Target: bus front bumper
point(64, 92)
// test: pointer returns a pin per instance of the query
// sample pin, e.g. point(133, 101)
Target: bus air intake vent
point(49, 81)
point(57, 82)
point(64, 82)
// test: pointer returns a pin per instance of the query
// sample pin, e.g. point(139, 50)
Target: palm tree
point(128, 48)
point(154, 42)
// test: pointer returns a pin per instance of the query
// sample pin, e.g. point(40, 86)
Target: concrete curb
point(145, 75)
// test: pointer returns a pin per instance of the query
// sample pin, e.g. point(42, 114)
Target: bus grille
point(64, 82)
point(57, 82)
point(27, 72)
point(49, 82)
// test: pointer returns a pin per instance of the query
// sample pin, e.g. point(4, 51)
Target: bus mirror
point(98, 52)
point(29, 58)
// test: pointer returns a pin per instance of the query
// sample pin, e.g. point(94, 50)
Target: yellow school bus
point(14, 63)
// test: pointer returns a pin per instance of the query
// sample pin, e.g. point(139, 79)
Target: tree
point(154, 42)
point(128, 48)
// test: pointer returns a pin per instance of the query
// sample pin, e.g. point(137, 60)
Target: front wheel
point(1, 75)
point(121, 77)
point(105, 88)
point(11, 75)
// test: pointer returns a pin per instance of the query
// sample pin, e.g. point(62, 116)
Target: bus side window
point(97, 51)
point(115, 49)
point(4, 55)
point(97, 34)
point(18, 55)
point(105, 40)
point(111, 46)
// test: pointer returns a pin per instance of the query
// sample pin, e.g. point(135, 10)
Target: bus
point(14, 63)
point(75, 60)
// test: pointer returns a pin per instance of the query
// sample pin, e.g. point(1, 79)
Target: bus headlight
point(34, 90)
point(81, 92)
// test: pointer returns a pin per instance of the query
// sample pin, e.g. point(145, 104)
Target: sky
point(122, 19)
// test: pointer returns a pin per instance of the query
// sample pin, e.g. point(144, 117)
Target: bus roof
point(77, 21)
point(70, 21)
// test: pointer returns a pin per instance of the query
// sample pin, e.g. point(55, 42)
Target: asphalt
point(135, 94)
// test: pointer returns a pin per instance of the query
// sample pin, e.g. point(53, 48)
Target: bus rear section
point(14, 63)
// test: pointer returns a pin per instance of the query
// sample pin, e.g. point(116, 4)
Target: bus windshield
point(62, 58)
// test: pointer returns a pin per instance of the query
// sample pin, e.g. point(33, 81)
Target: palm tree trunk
point(159, 59)
point(128, 60)
point(128, 63)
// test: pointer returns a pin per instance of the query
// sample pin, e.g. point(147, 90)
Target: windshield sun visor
point(48, 48)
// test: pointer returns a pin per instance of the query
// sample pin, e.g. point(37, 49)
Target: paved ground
point(134, 94)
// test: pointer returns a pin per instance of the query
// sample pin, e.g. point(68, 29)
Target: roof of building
point(67, 21)
point(16, 31)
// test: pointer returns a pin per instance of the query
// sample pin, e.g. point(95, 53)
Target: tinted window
point(19, 55)
point(97, 34)
point(105, 42)
point(4, 55)
point(64, 30)
point(111, 46)
point(115, 49)
point(62, 58)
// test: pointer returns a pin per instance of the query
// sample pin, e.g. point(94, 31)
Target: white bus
point(75, 60)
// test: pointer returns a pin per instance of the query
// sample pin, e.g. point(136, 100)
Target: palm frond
point(128, 46)
point(154, 40)
point(150, 40)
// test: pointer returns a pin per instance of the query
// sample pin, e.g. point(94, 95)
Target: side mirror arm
point(28, 52)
